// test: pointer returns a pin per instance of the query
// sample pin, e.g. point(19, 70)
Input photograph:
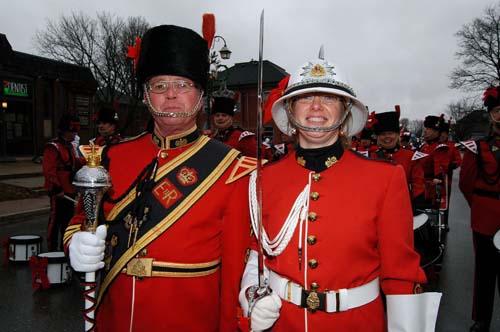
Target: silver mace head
point(92, 181)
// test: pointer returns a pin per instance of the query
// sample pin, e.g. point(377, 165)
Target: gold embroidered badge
point(166, 193)
point(180, 142)
point(301, 161)
point(331, 161)
point(187, 176)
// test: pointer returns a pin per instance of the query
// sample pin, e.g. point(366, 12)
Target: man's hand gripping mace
point(91, 181)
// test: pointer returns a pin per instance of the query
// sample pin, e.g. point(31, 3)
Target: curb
point(11, 218)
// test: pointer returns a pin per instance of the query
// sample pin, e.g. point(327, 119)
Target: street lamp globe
point(225, 53)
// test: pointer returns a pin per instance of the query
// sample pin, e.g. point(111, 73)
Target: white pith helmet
point(319, 76)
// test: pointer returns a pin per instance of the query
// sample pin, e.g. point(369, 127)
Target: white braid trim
point(298, 212)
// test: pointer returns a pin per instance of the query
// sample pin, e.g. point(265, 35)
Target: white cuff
point(412, 312)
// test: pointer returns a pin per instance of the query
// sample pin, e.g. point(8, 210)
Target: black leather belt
point(487, 193)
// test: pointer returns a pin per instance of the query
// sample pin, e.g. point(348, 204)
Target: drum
point(496, 239)
point(58, 270)
point(22, 247)
point(426, 241)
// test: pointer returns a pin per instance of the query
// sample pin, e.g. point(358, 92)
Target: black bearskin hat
point(68, 122)
point(106, 114)
point(433, 122)
point(173, 50)
point(387, 121)
point(223, 105)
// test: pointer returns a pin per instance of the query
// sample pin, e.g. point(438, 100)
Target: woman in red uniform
point(337, 227)
point(480, 183)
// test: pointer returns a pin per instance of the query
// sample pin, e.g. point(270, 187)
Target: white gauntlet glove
point(265, 311)
point(86, 250)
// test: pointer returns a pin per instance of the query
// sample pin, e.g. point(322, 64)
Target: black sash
point(173, 194)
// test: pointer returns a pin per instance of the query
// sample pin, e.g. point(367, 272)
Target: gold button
point(312, 216)
point(313, 263)
point(316, 177)
point(163, 154)
point(314, 285)
point(314, 196)
point(311, 239)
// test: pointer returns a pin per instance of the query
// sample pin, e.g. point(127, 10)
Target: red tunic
point(211, 229)
point(436, 166)
point(59, 165)
point(363, 230)
point(411, 164)
point(479, 177)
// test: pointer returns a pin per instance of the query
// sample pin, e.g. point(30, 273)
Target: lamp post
point(214, 80)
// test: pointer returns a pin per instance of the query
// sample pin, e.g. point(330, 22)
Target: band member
point(329, 246)
point(435, 166)
point(480, 185)
point(59, 165)
point(223, 115)
point(454, 155)
point(107, 127)
point(405, 141)
point(174, 247)
point(386, 128)
point(366, 141)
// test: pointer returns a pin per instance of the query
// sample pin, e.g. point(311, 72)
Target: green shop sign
point(15, 89)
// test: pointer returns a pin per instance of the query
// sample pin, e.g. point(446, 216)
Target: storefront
point(35, 93)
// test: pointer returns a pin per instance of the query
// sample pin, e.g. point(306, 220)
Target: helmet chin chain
point(157, 113)
point(294, 121)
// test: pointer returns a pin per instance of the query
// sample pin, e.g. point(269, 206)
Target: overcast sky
point(392, 51)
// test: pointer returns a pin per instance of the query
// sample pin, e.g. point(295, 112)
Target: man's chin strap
point(294, 121)
point(155, 112)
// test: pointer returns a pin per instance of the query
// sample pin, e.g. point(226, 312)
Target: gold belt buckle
point(140, 267)
point(312, 301)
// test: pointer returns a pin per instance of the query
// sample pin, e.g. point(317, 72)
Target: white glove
point(86, 250)
point(265, 312)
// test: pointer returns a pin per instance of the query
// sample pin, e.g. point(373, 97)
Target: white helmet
point(319, 76)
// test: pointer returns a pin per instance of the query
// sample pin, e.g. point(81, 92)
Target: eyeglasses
point(179, 87)
point(325, 99)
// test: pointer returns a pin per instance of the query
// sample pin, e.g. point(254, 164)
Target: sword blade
point(260, 105)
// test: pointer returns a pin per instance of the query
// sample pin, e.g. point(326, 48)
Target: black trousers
point(486, 277)
point(61, 212)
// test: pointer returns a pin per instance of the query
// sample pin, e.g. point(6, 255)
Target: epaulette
point(442, 146)
point(244, 134)
point(244, 166)
point(364, 153)
point(133, 138)
point(470, 145)
point(418, 155)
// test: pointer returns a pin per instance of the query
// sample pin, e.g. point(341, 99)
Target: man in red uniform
point(107, 127)
point(59, 166)
point(386, 128)
point(174, 246)
point(223, 114)
point(480, 185)
point(330, 247)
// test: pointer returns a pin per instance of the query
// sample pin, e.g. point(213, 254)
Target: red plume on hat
point(371, 120)
point(397, 108)
point(274, 95)
point(208, 28)
point(134, 51)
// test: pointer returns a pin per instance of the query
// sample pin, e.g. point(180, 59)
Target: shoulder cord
point(299, 211)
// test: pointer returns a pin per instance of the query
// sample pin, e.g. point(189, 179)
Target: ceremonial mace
point(91, 181)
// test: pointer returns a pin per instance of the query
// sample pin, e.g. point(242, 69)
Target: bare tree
point(416, 127)
point(97, 43)
point(479, 52)
point(462, 107)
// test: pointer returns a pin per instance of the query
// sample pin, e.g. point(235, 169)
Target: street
point(59, 308)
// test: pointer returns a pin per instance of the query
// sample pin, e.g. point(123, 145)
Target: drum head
point(419, 220)
point(496, 240)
